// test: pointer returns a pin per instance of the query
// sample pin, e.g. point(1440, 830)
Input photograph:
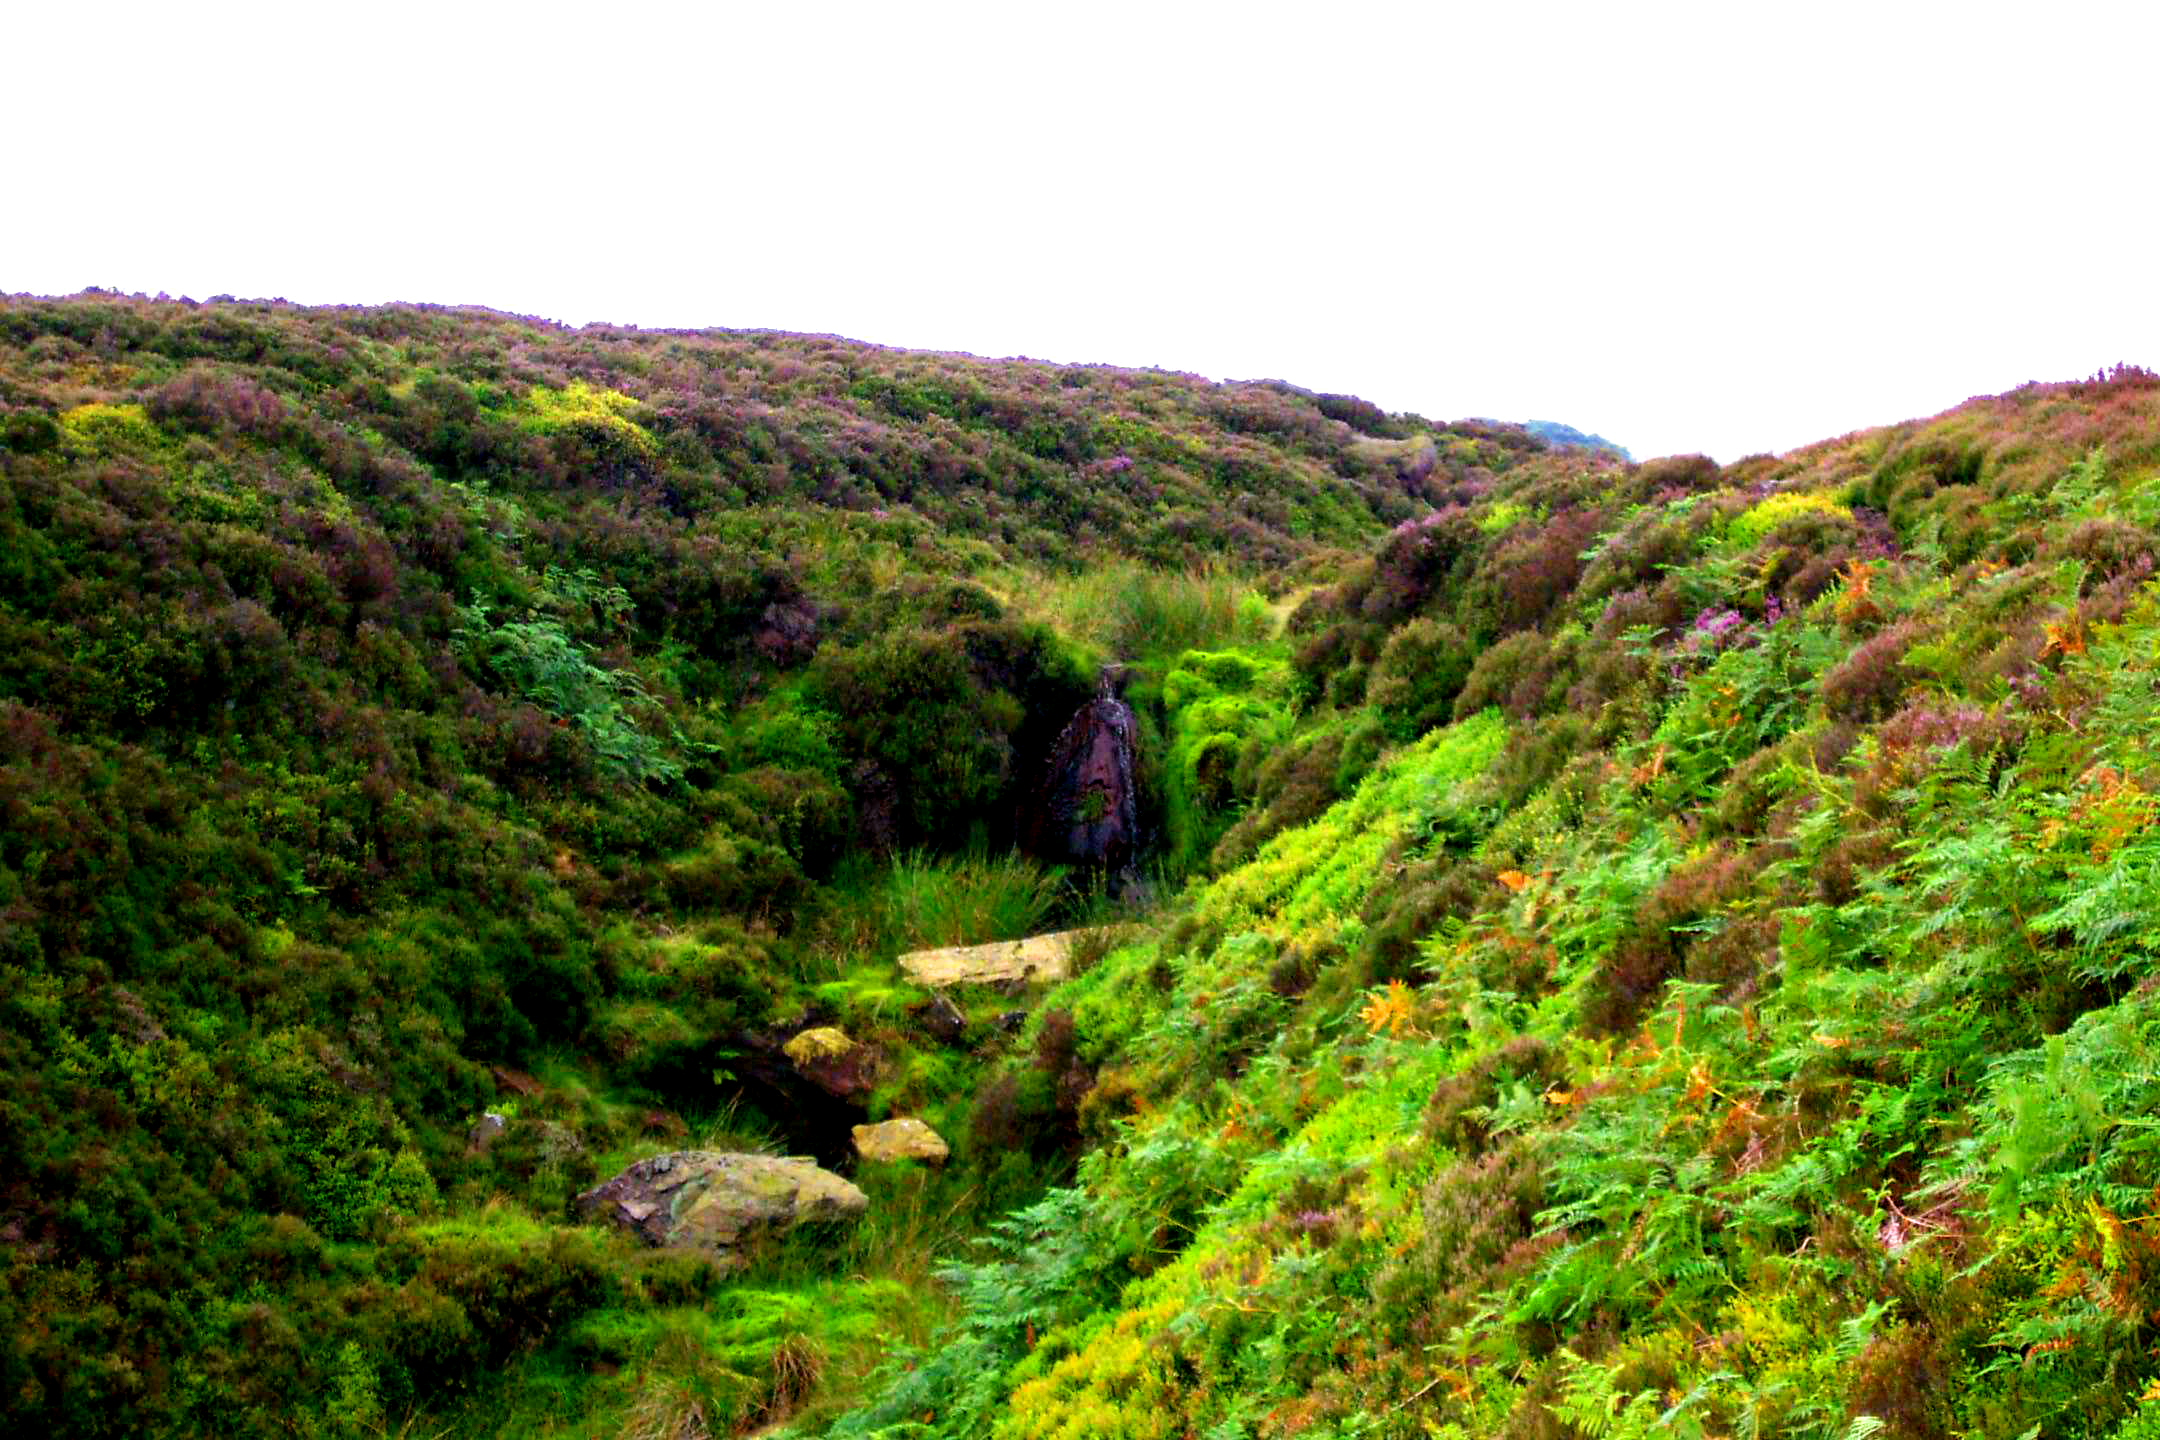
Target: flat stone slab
point(1046, 958)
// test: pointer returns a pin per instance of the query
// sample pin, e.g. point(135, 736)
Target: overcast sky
point(1731, 228)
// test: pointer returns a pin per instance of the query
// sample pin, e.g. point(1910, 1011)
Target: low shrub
point(1417, 676)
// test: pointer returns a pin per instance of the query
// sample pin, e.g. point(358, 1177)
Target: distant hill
point(1552, 432)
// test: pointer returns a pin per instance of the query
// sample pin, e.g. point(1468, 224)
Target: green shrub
point(1499, 673)
point(941, 716)
point(541, 664)
point(1420, 671)
point(1220, 705)
point(1773, 513)
point(734, 873)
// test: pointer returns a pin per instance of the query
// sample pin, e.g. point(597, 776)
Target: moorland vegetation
point(1621, 949)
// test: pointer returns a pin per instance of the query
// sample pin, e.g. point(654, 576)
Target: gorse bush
point(1775, 512)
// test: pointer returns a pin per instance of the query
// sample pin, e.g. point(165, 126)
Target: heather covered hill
point(1724, 1007)
point(1553, 432)
point(1039, 460)
point(1613, 949)
point(407, 715)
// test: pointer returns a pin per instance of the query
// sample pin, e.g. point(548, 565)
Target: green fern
point(2083, 484)
point(1592, 1401)
point(541, 664)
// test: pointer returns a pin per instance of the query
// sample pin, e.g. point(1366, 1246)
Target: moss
point(1217, 704)
point(823, 1042)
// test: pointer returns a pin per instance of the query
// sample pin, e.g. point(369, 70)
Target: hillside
point(1553, 432)
point(1724, 1007)
point(1621, 948)
point(413, 714)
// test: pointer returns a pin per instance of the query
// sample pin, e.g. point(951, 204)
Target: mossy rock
point(835, 1062)
point(904, 1139)
point(719, 1202)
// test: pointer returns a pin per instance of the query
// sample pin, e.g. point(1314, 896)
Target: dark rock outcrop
point(1090, 811)
point(811, 1119)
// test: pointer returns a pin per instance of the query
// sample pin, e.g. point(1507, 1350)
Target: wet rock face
point(718, 1201)
point(1090, 814)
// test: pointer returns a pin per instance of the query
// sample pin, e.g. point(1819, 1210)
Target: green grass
point(1133, 611)
point(921, 900)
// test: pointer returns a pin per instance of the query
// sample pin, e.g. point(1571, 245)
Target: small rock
point(1011, 1021)
point(835, 1063)
point(483, 1134)
point(946, 1022)
point(718, 1201)
point(906, 1139)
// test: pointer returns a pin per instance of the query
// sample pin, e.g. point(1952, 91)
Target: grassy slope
point(405, 713)
point(1671, 951)
point(1738, 1020)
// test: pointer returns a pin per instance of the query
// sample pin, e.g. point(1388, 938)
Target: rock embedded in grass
point(482, 1135)
point(945, 1022)
point(1045, 958)
point(718, 1201)
point(834, 1062)
point(903, 1139)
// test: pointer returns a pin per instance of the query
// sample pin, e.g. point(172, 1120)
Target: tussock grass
point(1135, 611)
point(931, 900)
point(922, 901)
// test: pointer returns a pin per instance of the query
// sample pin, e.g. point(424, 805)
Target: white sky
point(1731, 227)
